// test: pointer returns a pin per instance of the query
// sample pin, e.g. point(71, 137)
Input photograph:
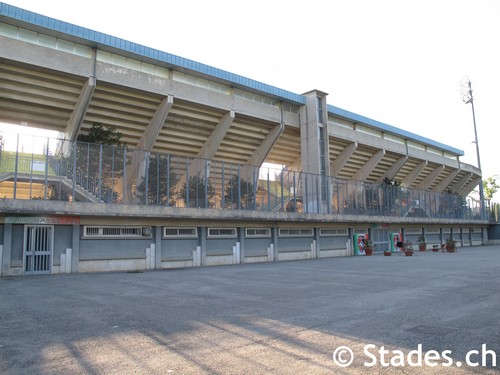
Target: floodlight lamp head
point(466, 92)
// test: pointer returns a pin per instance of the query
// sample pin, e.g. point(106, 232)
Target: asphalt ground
point(433, 313)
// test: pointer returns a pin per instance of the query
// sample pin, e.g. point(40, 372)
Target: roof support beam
point(446, 182)
point(137, 167)
point(260, 154)
point(466, 190)
point(342, 159)
point(292, 168)
point(461, 183)
point(210, 147)
point(393, 171)
point(363, 173)
point(215, 139)
point(78, 114)
point(149, 136)
point(427, 182)
point(408, 180)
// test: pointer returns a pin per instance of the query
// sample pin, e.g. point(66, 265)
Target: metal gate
point(38, 244)
point(380, 239)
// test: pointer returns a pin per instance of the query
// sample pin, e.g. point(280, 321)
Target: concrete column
point(197, 257)
point(241, 237)
point(69, 255)
point(158, 234)
point(484, 236)
point(312, 128)
point(317, 248)
point(7, 248)
point(75, 258)
point(237, 253)
point(309, 131)
point(275, 242)
point(203, 245)
point(1, 259)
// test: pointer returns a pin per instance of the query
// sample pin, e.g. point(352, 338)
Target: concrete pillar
point(314, 141)
point(69, 255)
point(1, 259)
point(203, 245)
point(197, 257)
point(241, 237)
point(7, 248)
point(237, 253)
point(158, 235)
point(275, 247)
point(270, 253)
point(317, 247)
point(75, 258)
point(311, 121)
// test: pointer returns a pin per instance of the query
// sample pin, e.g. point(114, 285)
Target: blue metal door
point(38, 243)
point(380, 239)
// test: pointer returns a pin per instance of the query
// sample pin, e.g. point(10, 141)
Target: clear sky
point(400, 62)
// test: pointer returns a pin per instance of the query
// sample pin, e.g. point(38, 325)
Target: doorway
point(37, 252)
point(380, 239)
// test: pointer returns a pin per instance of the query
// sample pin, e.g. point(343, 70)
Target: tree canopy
point(104, 135)
point(490, 187)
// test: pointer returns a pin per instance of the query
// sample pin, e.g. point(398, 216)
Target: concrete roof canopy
point(64, 77)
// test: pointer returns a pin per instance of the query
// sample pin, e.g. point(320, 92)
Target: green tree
point(160, 183)
point(101, 135)
point(100, 157)
point(490, 187)
point(199, 193)
point(246, 193)
point(392, 193)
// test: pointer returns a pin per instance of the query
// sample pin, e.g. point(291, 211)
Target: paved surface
point(271, 318)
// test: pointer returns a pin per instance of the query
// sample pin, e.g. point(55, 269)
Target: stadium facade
point(214, 168)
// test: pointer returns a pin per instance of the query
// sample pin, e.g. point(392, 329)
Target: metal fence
point(95, 173)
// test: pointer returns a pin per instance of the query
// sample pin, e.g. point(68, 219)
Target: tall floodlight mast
point(466, 91)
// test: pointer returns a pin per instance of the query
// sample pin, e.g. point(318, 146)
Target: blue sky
point(398, 62)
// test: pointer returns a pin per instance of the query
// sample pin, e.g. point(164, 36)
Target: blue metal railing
point(117, 175)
